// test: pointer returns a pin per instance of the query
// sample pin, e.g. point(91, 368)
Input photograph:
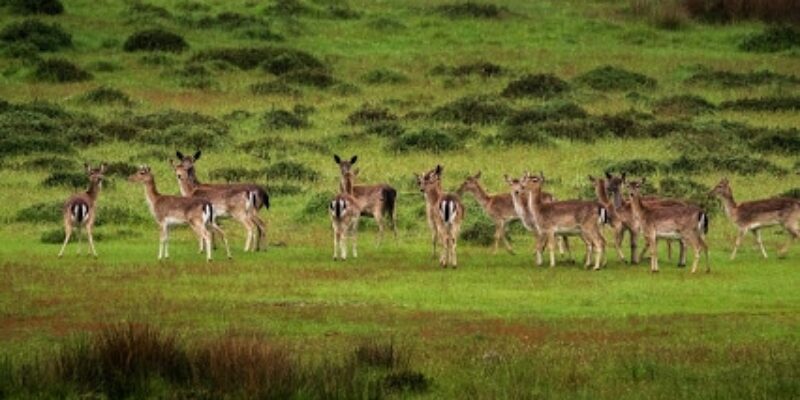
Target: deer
point(445, 214)
point(575, 217)
point(226, 200)
point(751, 216)
point(622, 220)
point(500, 208)
point(688, 223)
point(81, 209)
point(345, 210)
point(197, 212)
point(379, 199)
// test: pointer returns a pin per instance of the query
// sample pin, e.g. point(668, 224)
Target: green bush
point(683, 105)
point(384, 77)
point(778, 141)
point(277, 87)
point(687, 189)
point(484, 69)
point(426, 139)
point(387, 129)
point(634, 167)
point(27, 7)
point(547, 112)
point(520, 135)
point(730, 79)
point(73, 180)
point(473, 110)
point(39, 213)
point(370, 114)
point(609, 78)
point(471, 9)
point(291, 170)
point(104, 95)
point(738, 164)
point(120, 169)
point(182, 129)
point(318, 78)
point(281, 119)
point(538, 85)
point(774, 104)
point(32, 31)
point(155, 40)
point(49, 164)
point(276, 60)
point(59, 70)
point(234, 174)
point(773, 39)
point(284, 61)
point(120, 130)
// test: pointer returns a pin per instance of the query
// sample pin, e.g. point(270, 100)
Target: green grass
point(497, 327)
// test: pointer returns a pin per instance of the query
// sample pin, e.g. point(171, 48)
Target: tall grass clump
point(472, 9)
point(771, 40)
point(473, 110)
point(155, 40)
point(104, 95)
point(426, 139)
point(59, 70)
point(42, 36)
point(610, 78)
point(28, 7)
point(731, 79)
point(536, 85)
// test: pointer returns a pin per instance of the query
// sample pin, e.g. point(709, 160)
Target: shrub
point(387, 129)
point(585, 130)
point(288, 8)
point(687, 189)
point(44, 37)
point(318, 78)
point(483, 69)
point(120, 169)
point(73, 180)
point(773, 39)
point(146, 12)
point(26, 7)
point(727, 79)
point(738, 164)
point(59, 70)
point(793, 193)
point(370, 114)
point(316, 206)
point(281, 119)
point(175, 128)
point(637, 167)
point(763, 104)
point(49, 164)
point(155, 40)
point(120, 131)
point(683, 105)
point(104, 66)
point(106, 95)
point(234, 174)
point(608, 78)
point(480, 232)
point(778, 141)
point(283, 189)
point(731, 11)
point(275, 59)
point(539, 85)
point(473, 110)
point(291, 170)
point(524, 134)
point(274, 88)
point(386, 24)
point(41, 212)
point(25, 51)
point(406, 381)
point(471, 9)
point(426, 139)
point(384, 77)
point(547, 112)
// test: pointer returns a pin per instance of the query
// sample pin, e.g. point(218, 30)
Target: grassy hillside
point(271, 90)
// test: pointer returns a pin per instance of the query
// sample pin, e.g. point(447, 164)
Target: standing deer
point(754, 215)
point(688, 223)
point(226, 201)
point(80, 209)
point(574, 217)
point(445, 214)
point(345, 210)
point(622, 219)
point(501, 209)
point(379, 199)
point(197, 212)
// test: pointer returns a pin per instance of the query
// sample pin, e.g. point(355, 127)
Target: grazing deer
point(226, 200)
point(379, 200)
point(501, 209)
point(574, 217)
point(754, 215)
point(445, 213)
point(622, 219)
point(197, 212)
point(345, 210)
point(80, 209)
point(688, 223)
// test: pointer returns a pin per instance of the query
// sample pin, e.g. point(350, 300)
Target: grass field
point(404, 85)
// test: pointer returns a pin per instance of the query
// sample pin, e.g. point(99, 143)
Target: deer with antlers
point(80, 209)
point(345, 210)
point(445, 214)
point(197, 212)
point(751, 216)
point(500, 208)
point(571, 217)
point(242, 201)
point(622, 219)
point(687, 223)
point(379, 200)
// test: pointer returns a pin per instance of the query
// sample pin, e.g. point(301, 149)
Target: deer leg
point(632, 235)
point(541, 240)
point(261, 227)
point(738, 242)
point(161, 241)
point(445, 247)
point(794, 233)
point(565, 241)
point(695, 243)
point(78, 234)
point(681, 253)
point(67, 234)
point(600, 249)
point(551, 245)
point(653, 244)
point(343, 242)
point(200, 230)
point(377, 213)
point(505, 239)
point(434, 238)
point(89, 228)
point(619, 235)
point(166, 242)
point(219, 231)
point(757, 234)
point(354, 237)
point(335, 242)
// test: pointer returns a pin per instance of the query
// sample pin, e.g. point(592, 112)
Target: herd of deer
point(551, 221)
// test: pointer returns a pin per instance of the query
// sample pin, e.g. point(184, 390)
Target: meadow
point(270, 91)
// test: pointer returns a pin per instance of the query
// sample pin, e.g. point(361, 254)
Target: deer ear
point(103, 167)
point(609, 176)
point(87, 168)
point(179, 155)
point(644, 180)
point(508, 180)
point(592, 179)
point(623, 176)
point(197, 155)
point(478, 175)
point(353, 160)
point(439, 169)
point(337, 159)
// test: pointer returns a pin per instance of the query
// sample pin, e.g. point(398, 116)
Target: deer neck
point(433, 195)
point(618, 202)
point(347, 184)
point(636, 205)
point(93, 191)
point(480, 195)
point(520, 202)
point(600, 191)
point(151, 192)
point(729, 204)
